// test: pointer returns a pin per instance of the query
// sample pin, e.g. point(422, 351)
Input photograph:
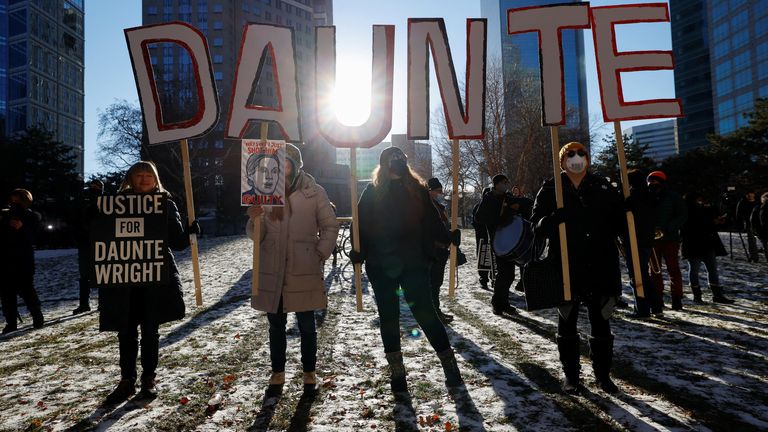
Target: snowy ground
point(703, 368)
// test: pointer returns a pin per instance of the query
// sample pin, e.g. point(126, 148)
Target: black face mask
point(398, 167)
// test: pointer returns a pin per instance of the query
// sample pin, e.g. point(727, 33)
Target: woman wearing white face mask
point(594, 218)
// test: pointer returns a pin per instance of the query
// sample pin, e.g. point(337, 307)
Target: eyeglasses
point(572, 153)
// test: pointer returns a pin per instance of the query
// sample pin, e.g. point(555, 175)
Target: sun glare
point(352, 97)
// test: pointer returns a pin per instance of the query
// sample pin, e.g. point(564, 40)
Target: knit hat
point(434, 184)
point(572, 146)
point(387, 153)
point(294, 155)
point(498, 178)
point(657, 175)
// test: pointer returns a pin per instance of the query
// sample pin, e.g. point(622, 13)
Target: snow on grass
point(703, 368)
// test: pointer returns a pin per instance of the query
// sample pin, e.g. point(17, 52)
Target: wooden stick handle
point(355, 227)
point(256, 265)
point(454, 217)
point(633, 249)
point(190, 218)
point(555, 139)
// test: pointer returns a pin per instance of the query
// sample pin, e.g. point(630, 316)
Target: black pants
point(436, 278)
point(484, 275)
point(129, 349)
point(601, 327)
point(415, 288)
point(278, 342)
point(504, 279)
point(83, 264)
point(651, 302)
point(19, 282)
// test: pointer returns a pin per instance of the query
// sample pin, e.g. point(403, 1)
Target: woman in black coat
point(702, 244)
point(125, 309)
point(398, 229)
point(594, 218)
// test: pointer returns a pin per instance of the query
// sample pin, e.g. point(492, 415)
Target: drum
point(514, 241)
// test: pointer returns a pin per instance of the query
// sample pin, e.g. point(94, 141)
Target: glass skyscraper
point(523, 49)
point(41, 69)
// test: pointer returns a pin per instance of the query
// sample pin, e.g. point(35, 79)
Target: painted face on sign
point(267, 176)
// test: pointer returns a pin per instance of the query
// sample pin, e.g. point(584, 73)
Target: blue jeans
point(278, 341)
point(710, 262)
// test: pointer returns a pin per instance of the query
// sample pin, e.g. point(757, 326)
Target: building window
point(742, 79)
point(740, 20)
point(722, 48)
point(218, 180)
point(17, 22)
point(762, 51)
point(737, 3)
point(151, 10)
point(719, 10)
point(727, 125)
point(741, 61)
point(217, 42)
point(724, 109)
point(761, 26)
point(218, 75)
point(740, 39)
point(762, 70)
point(760, 8)
point(724, 87)
point(218, 59)
point(219, 144)
point(17, 54)
point(722, 70)
point(744, 102)
point(217, 25)
point(267, 16)
point(763, 92)
point(218, 8)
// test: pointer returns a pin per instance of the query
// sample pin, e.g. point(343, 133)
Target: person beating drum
point(496, 210)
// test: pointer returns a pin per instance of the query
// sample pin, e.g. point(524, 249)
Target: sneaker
point(125, 389)
point(80, 309)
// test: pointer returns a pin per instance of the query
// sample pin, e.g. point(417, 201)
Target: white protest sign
point(379, 122)
point(464, 120)
point(611, 62)
point(549, 22)
point(190, 39)
point(262, 173)
point(259, 42)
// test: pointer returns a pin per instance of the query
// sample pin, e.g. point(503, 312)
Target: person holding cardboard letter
point(292, 254)
point(593, 214)
point(398, 229)
point(125, 309)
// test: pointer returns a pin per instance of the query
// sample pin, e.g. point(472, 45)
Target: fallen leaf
point(184, 400)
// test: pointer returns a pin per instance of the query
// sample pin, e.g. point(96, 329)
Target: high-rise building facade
point(215, 158)
point(721, 64)
point(660, 137)
point(41, 69)
point(523, 50)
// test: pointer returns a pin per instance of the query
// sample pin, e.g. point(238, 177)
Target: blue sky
point(108, 74)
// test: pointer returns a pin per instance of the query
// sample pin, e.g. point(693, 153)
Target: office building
point(216, 158)
point(523, 50)
point(721, 64)
point(660, 137)
point(41, 69)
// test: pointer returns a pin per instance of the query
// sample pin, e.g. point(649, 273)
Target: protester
point(290, 276)
point(481, 233)
point(125, 309)
point(702, 244)
point(398, 229)
point(87, 211)
point(442, 249)
point(641, 204)
point(18, 229)
point(594, 218)
point(759, 220)
point(743, 212)
point(497, 209)
point(669, 216)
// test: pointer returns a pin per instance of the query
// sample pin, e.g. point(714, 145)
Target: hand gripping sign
point(158, 129)
point(464, 120)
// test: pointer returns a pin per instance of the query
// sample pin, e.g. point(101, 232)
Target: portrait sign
point(262, 176)
point(129, 239)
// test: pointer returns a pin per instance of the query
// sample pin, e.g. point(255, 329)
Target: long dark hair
point(414, 184)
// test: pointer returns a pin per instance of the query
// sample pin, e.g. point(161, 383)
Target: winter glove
point(455, 237)
point(194, 228)
point(630, 204)
point(561, 215)
point(356, 257)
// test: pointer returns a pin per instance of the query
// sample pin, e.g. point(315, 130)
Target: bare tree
point(120, 135)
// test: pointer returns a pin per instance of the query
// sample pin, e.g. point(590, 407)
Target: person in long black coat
point(124, 310)
point(593, 214)
point(481, 233)
point(88, 211)
point(18, 230)
point(398, 229)
point(702, 244)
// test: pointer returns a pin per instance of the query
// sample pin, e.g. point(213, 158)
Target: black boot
point(37, 319)
point(451, 368)
point(122, 392)
point(717, 295)
point(82, 308)
point(397, 373)
point(697, 294)
point(568, 348)
point(148, 390)
point(601, 353)
point(677, 303)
